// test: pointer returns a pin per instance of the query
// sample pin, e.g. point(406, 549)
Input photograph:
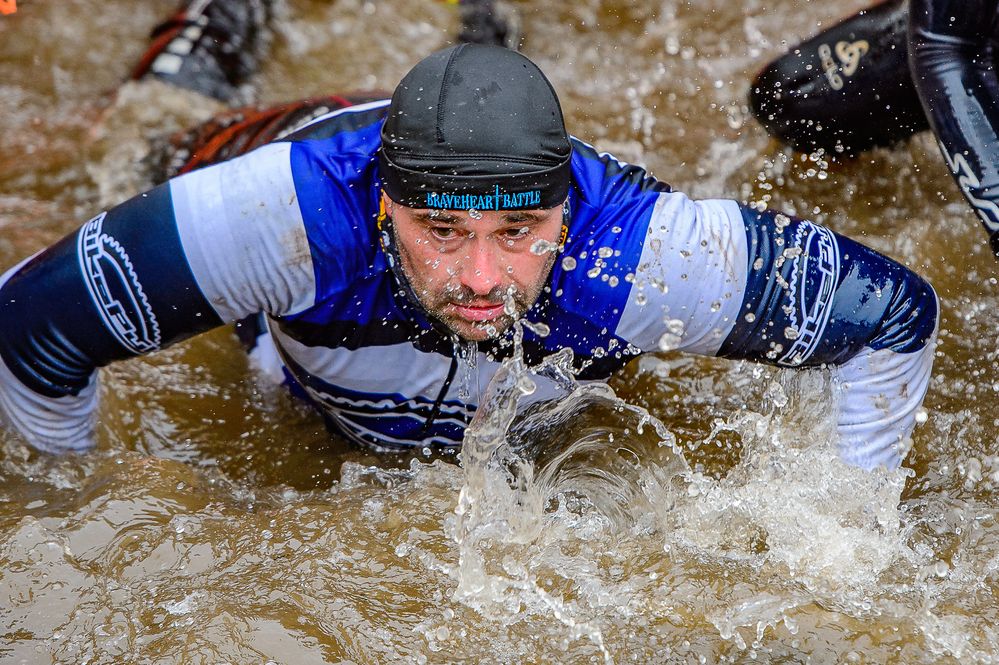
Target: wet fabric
point(241, 130)
point(953, 55)
point(289, 229)
point(475, 127)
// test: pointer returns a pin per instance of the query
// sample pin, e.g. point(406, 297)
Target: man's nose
point(481, 270)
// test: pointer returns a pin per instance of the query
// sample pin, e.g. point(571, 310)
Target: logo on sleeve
point(970, 184)
point(115, 289)
point(814, 275)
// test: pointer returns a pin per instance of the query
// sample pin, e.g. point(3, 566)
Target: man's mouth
point(482, 312)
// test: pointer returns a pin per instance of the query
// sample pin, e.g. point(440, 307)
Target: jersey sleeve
point(718, 278)
point(200, 250)
point(952, 61)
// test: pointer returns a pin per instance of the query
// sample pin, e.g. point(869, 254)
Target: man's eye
point(514, 234)
point(444, 232)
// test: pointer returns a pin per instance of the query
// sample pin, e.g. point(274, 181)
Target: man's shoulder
point(611, 203)
point(335, 169)
point(600, 178)
point(340, 146)
point(353, 120)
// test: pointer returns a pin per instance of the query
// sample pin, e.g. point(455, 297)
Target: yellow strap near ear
point(382, 214)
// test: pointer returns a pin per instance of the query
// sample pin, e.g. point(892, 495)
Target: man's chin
point(479, 331)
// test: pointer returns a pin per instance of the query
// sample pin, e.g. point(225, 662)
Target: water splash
point(547, 490)
point(467, 354)
point(529, 487)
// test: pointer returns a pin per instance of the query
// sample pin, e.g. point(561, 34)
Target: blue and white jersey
point(290, 230)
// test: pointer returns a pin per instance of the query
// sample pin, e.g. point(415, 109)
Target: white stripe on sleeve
point(691, 278)
point(243, 235)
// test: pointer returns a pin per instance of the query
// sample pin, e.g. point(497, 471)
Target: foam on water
point(548, 497)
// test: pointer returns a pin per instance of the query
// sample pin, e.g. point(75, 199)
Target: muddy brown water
point(217, 522)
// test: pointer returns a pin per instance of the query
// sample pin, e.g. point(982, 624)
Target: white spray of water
point(540, 489)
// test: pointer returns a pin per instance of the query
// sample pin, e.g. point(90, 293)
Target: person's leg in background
point(844, 90)
point(214, 47)
point(488, 22)
point(209, 46)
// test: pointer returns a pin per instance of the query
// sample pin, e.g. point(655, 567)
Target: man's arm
point(718, 278)
point(952, 60)
point(203, 249)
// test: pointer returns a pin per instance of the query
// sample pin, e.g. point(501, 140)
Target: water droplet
point(568, 263)
point(538, 328)
point(790, 332)
point(750, 317)
point(593, 272)
point(715, 306)
point(673, 336)
point(541, 247)
point(605, 252)
point(474, 214)
point(669, 341)
point(776, 393)
point(791, 252)
point(510, 302)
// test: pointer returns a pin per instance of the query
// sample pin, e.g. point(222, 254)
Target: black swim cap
point(475, 126)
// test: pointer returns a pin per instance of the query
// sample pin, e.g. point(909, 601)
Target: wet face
point(467, 270)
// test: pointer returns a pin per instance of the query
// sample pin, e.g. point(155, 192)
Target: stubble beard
point(436, 302)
